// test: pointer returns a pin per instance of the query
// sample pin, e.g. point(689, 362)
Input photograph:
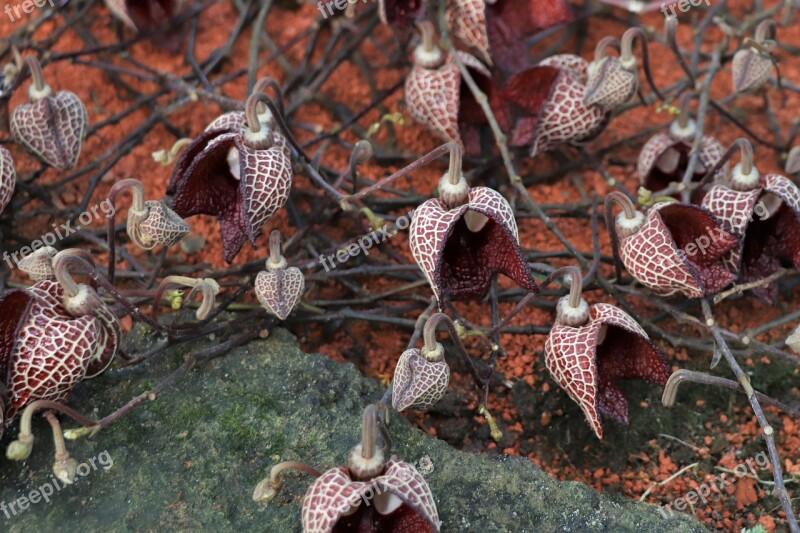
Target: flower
point(238, 170)
point(592, 347)
point(674, 249)
point(462, 238)
point(279, 288)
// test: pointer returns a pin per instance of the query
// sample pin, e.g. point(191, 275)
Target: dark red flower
point(400, 14)
point(675, 248)
point(589, 358)
point(510, 22)
point(236, 174)
point(766, 210)
point(546, 105)
point(149, 16)
point(462, 238)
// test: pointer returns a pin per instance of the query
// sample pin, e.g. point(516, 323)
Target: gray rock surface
point(190, 459)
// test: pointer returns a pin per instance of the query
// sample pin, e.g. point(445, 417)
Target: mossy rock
point(190, 459)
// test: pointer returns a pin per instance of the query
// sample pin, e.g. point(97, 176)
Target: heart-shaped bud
point(588, 356)
point(39, 265)
point(547, 102)
point(8, 178)
point(150, 223)
point(422, 376)
point(674, 248)
point(665, 157)
point(399, 497)
point(241, 175)
point(766, 211)
point(752, 65)
point(161, 226)
point(51, 126)
point(459, 246)
point(467, 20)
point(279, 288)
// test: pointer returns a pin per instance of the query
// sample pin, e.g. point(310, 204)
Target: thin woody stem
point(626, 55)
point(683, 106)
point(136, 210)
point(429, 336)
point(267, 489)
point(679, 376)
point(617, 198)
point(768, 431)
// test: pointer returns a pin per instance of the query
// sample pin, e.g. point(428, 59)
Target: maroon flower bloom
point(675, 248)
point(547, 105)
point(371, 493)
point(400, 14)
point(462, 238)
point(53, 336)
point(238, 170)
point(593, 347)
point(665, 157)
point(437, 97)
point(402, 502)
point(149, 16)
point(8, 178)
point(510, 22)
point(766, 210)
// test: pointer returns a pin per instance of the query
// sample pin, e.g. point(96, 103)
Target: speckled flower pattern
point(280, 290)
point(418, 383)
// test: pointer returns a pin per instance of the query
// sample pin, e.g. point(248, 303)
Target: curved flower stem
point(434, 154)
point(744, 381)
point(454, 170)
point(136, 213)
point(61, 263)
point(208, 287)
point(268, 488)
point(626, 55)
point(368, 432)
point(683, 105)
point(38, 405)
point(362, 152)
point(429, 335)
point(765, 30)
point(575, 283)
point(64, 466)
point(742, 144)
point(679, 376)
point(275, 255)
point(77, 260)
point(601, 49)
point(262, 86)
point(37, 76)
point(670, 29)
point(428, 35)
point(617, 198)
